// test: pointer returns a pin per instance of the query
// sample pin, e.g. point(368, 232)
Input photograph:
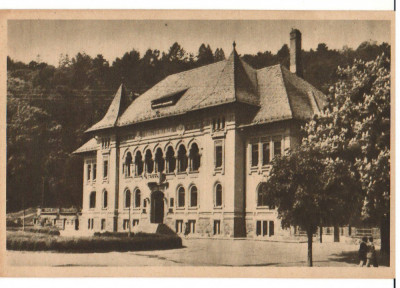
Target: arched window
point(149, 161)
point(182, 158)
point(105, 199)
point(92, 200)
point(218, 195)
point(128, 165)
point(159, 160)
point(194, 157)
point(181, 197)
point(127, 202)
point(170, 160)
point(138, 163)
point(263, 198)
point(137, 198)
point(193, 196)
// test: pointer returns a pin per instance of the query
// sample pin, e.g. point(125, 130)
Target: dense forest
point(49, 108)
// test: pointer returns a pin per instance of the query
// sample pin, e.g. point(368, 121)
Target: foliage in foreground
point(36, 242)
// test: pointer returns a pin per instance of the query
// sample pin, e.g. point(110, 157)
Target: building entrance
point(157, 207)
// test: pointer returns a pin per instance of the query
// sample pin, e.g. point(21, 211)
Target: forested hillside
point(49, 108)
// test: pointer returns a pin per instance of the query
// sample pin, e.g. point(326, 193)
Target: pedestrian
point(371, 253)
point(362, 252)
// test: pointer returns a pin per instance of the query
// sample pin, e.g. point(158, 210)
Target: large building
point(194, 151)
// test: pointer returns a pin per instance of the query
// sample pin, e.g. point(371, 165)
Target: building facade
point(194, 151)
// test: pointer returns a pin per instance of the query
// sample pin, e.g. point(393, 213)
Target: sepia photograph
point(220, 142)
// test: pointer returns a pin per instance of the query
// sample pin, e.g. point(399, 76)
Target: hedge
point(33, 242)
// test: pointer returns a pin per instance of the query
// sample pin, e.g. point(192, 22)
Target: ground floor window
point(179, 226)
point(103, 224)
point(217, 227)
point(135, 222)
point(126, 224)
point(265, 228)
point(192, 226)
point(90, 224)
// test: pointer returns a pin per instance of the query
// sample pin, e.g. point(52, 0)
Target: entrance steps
point(152, 228)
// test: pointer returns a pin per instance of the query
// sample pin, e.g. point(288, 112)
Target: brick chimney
point(296, 65)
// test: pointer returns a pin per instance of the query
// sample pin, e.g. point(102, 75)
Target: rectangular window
point(277, 148)
point(135, 222)
point(126, 224)
point(192, 226)
point(217, 227)
point(218, 155)
point(92, 224)
point(265, 228)
point(254, 155)
point(89, 170)
point(171, 202)
point(105, 169)
point(258, 229)
point(88, 224)
point(265, 154)
point(271, 228)
point(103, 224)
point(94, 171)
point(178, 226)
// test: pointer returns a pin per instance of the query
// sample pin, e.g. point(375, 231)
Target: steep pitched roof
point(211, 85)
point(284, 95)
point(117, 107)
point(275, 91)
point(90, 145)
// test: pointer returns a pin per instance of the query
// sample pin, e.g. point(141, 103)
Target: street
point(202, 252)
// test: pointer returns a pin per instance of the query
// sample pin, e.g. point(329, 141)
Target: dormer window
point(168, 100)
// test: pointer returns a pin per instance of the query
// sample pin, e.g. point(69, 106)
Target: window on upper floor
point(94, 171)
point(159, 161)
point(128, 165)
point(138, 163)
point(218, 123)
point(193, 196)
point(182, 158)
point(171, 161)
point(137, 198)
point(127, 200)
point(181, 197)
point(218, 154)
point(105, 199)
point(105, 143)
point(277, 148)
point(254, 155)
point(265, 154)
point(194, 156)
point(218, 195)
point(105, 169)
point(92, 200)
point(89, 172)
point(263, 198)
point(148, 159)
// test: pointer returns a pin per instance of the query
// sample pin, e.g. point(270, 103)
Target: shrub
point(120, 243)
point(45, 230)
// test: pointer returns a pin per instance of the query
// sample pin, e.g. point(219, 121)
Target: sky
point(112, 38)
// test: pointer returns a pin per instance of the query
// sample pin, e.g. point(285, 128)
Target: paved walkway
point(202, 252)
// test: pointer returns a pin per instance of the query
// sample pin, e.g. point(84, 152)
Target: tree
point(219, 55)
point(355, 127)
point(309, 189)
point(205, 55)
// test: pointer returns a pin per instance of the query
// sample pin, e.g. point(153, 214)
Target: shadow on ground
point(352, 258)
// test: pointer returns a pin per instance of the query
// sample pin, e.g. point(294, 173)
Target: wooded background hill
point(49, 108)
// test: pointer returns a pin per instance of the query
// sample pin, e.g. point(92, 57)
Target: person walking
point(362, 252)
point(371, 253)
